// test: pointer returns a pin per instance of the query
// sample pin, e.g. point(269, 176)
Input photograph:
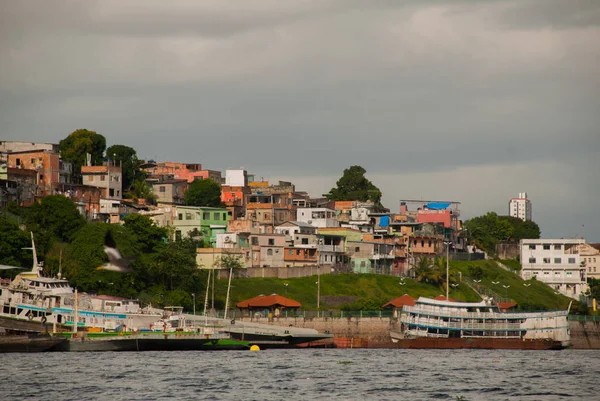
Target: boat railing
point(454, 313)
point(464, 325)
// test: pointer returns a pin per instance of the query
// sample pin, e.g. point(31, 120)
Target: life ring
point(232, 321)
point(43, 319)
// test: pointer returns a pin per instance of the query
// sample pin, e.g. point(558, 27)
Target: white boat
point(432, 323)
point(32, 302)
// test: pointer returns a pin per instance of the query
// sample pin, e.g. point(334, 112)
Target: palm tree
point(423, 269)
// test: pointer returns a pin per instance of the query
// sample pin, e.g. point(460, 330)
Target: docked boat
point(29, 343)
point(432, 323)
point(32, 303)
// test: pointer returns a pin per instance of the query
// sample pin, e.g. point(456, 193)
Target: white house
point(556, 262)
point(320, 217)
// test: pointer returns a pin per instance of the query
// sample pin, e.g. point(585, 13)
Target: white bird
point(116, 262)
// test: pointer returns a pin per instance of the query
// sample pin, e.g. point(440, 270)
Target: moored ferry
point(32, 303)
point(432, 323)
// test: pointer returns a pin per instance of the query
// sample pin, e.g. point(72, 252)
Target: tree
point(141, 190)
point(204, 193)
point(129, 162)
point(12, 242)
point(147, 233)
point(86, 252)
point(74, 148)
point(55, 217)
point(488, 230)
point(522, 229)
point(230, 262)
point(353, 185)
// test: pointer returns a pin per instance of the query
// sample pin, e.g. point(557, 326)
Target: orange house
point(293, 257)
point(46, 163)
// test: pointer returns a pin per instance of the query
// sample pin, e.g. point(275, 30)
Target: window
point(536, 273)
point(205, 216)
point(269, 252)
point(224, 216)
point(557, 273)
point(557, 260)
point(178, 235)
point(217, 216)
point(569, 273)
point(546, 247)
point(271, 241)
point(531, 260)
point(357, 249)
point(254, 240)
point(180, 216)
point(102, 178)
point(531, 246)
point(162, 188)
point(291, 251)
point(304, 241)
point(298, 252)
point(111, 192)
point(546, 260)
point(41, 177)
point(558, 247)
point(362, 264)
point(91, 178)
point(188, 216)
point(32, 160)
point(118, 193)
point(18, 162)
point(571, 260)
point(546, 273)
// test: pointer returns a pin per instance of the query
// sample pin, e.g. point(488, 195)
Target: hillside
point(374, 290)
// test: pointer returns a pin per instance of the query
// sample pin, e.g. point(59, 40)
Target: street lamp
point(527, 293)
point(194, 300)
point(506, 287)
point(318, 283)
point(447, 243)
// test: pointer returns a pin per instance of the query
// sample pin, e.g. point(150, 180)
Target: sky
point(469, 101)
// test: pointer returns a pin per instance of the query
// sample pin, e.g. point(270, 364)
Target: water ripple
point(302, 375)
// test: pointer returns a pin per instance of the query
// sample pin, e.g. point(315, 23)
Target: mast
point(76, 317)
point(206, 297)
point(228, 288)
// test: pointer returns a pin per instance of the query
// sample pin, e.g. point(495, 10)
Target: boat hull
point(150, 342)
point(25, 343)
point(476, 343)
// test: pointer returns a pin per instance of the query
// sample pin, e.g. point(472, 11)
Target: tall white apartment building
point(520, 207)
point(556, 262)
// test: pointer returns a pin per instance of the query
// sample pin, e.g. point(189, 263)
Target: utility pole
point(447, 243)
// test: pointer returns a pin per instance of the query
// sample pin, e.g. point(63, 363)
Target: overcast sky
point(471, 101)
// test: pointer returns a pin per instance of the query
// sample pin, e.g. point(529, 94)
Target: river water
point(303, 374)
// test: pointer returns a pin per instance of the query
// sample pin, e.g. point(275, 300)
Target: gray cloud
point(439, 90)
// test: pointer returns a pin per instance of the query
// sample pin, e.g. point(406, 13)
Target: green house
point(200, 222)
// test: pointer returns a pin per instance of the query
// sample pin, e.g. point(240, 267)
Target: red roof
point(401, 301)
point(506, 305)
point(443, 298)
point(266, 301)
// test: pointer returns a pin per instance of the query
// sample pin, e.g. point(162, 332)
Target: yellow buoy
point(255, 348)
